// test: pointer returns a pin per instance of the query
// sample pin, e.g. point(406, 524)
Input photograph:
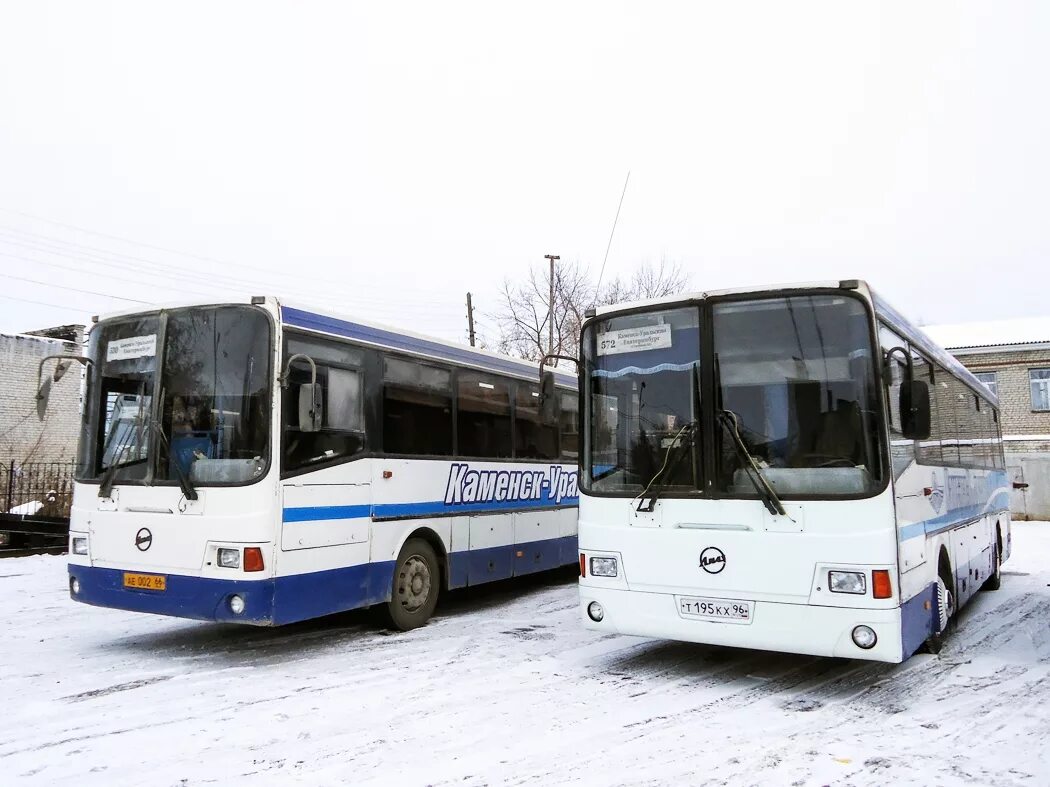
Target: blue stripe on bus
point(431, 507)
point(366, 333)
point(267, 602)
point(947, 521)
point(425, 508)
point(319, 513)
point(296, 597)
point(919, 622)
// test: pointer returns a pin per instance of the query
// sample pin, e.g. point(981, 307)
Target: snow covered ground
point(505, 687)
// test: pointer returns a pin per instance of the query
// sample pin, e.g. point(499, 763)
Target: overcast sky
point(395, 155)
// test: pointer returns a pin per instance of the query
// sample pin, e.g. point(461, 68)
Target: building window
point(1040, 382)
point(989, 380)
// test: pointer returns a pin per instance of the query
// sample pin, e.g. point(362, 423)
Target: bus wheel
point(995, 579)
point(945, 612)
point(417, 581)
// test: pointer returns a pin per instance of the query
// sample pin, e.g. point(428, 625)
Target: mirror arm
point(549, 356)
point(283, 378)
point(908, 360)
point(40, 368)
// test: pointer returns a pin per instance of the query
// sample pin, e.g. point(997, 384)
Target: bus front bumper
point(198, 598)
point(786, 628)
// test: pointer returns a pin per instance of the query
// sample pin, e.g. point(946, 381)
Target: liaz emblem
point(713, 560)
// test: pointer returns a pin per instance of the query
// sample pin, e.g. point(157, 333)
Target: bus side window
point(483, 427)
point(932, 450)
point(902, 450)
point(998, 459)
point(532, 438)
point(967, 429)
point(417, 408)
point(343, 432)
point(569, 418)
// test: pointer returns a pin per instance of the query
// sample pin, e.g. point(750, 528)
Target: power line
point(123, 280)
point(65, 307)
point(210, 260)
point(72, 289)
point(51, 246)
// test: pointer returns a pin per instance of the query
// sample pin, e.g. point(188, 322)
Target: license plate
point(722, 609)
point(145, 581)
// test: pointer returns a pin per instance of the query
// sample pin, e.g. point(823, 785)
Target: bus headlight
point(595, 612)
point(847, 582)
point(603, 567)
point(79, 545)
point(228, 558)
point(74, 586)
point(864, 637)
point(236, 605)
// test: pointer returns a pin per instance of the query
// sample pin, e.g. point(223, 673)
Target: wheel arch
point(944, 565)
point(431, 537)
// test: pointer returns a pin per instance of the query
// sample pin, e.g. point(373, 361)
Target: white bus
point(794, 469)
point(264, 463)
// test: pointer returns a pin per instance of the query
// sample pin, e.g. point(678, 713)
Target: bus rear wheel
point(417, 582)
point(995, 579)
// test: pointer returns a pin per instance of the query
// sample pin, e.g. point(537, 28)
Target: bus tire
point(945, 611)
point(417, 582)
point(995, 579)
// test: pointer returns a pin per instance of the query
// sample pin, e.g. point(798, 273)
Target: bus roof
point(883, 310)
point(328, 321)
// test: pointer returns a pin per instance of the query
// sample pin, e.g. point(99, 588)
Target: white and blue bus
point(794, 469)
point(264, 463)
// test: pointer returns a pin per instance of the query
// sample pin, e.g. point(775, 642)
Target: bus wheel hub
point(415, 585)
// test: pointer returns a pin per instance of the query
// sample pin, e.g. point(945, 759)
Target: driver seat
point(838, 433)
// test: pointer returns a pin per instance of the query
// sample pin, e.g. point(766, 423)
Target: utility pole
point(550, 342)
point(470, 319)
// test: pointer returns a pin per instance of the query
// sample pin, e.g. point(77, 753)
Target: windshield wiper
point(772, 503)
point(105, 487)
point(665, 469)
point(184, 482)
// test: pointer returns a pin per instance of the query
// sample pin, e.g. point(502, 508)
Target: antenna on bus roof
point(611, 233)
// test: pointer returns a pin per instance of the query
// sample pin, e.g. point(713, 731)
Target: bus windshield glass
point(644, 402)
point(791, 396)
point(797, 374)
point(205, 417)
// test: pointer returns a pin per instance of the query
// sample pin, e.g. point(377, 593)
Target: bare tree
point(524, 308)
point(524, 311)
point(647, 281)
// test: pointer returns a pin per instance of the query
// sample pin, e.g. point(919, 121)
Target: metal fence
point(37, 489)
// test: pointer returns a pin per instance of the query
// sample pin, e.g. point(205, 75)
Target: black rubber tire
point(935, 642)
point(995, 579)
point(405, 610)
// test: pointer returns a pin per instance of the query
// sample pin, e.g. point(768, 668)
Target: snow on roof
point(1026, 330)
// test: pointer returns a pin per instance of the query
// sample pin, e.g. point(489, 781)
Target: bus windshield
point(797, 373)
point(644, 402)
point(791, 396)
point(180, 394)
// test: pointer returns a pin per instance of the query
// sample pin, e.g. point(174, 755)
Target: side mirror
point(60, 369)
point(42, 395)
point(63, 362)
point(548, 399)
point(311, 407)
point(915, 409)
